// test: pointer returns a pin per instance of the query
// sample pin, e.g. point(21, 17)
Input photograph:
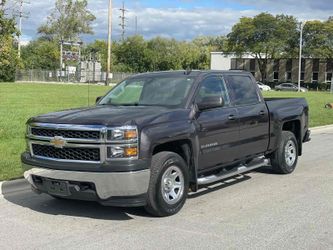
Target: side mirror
point(98, 99)
point(210, 102)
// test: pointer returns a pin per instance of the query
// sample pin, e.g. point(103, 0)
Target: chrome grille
point(72, 154)
point(74, 134)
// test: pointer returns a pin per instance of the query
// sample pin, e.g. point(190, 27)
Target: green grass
point(18, 102)
point(319, 116)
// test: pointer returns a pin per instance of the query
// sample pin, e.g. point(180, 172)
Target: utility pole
point(136, 25)
point(122, 21)
point(108, 70)
point(300, 56)
point(21, 15)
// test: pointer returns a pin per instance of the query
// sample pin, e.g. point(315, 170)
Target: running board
point(257, 163)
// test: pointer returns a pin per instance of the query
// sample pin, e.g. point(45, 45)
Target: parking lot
point(257, 210)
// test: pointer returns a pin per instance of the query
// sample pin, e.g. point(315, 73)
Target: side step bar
point(256, 163)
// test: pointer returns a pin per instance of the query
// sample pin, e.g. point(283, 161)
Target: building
point(314, 71)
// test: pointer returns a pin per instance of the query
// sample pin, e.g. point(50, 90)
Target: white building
point(222, 61)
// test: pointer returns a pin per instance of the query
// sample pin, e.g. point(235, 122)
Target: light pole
point(108, 70)
point(300, 55)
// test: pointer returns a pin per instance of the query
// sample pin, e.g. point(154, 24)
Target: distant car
point(263, 87)
point(289, 87)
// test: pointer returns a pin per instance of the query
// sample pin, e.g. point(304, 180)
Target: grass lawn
point(18, 102)
point(319, 116)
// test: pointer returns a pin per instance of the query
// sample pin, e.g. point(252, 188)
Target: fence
point(34, 75)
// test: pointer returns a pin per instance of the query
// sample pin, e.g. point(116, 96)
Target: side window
point(213, 86)
point(242, 90)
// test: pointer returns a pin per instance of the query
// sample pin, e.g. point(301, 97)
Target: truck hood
point(113, 116)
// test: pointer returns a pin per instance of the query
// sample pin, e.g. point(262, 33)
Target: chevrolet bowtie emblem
point(58, 142)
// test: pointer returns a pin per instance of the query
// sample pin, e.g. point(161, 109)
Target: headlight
point(122, 151)
point(123, 133)
point(124, 143)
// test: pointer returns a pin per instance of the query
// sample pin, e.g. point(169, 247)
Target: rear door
point(218, 129)
point(252, 113)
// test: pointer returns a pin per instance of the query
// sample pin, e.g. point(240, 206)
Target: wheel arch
point(294, 126)
point(184, 148)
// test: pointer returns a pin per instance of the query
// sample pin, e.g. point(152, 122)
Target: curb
point(9, 187)
point(316, 130)
point(322, 127)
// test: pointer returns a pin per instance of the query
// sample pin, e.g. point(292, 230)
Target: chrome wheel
point(290, 153)
point(172, 185)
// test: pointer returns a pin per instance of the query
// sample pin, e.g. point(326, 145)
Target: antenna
point(122, 21)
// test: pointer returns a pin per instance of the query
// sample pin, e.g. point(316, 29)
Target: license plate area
point(56, 187)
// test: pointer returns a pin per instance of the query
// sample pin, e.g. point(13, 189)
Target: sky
point(179, 19)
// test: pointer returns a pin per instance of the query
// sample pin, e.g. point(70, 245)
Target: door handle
point(262, 112)
point(231, 117)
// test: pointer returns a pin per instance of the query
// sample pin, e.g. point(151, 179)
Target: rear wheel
point(168, 185)
point(284, 159)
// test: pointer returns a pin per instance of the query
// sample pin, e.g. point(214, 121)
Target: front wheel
point(169, 183)
point(284, 159)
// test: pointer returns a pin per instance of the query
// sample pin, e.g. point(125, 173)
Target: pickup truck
point(155, 137)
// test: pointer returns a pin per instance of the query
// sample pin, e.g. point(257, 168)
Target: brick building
point(313, 71)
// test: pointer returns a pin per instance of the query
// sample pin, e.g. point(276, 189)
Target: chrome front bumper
point(108, 184)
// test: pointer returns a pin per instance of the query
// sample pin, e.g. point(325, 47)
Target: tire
point(168, 186)
point(284, 159)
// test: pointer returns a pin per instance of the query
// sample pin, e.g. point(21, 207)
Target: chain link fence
point(70, 76)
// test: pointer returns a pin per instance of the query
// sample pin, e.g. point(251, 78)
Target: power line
point(123, 21)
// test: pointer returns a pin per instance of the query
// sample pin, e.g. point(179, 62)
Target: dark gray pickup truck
point(155, 136)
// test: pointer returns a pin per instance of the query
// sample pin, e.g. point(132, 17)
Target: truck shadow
point(205, 189)
point(18, 192)
point(24, 197)
point(228, 182)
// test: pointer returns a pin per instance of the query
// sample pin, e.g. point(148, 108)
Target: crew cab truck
point(155, 136)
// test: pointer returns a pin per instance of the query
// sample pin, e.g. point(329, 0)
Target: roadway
point(259, 210)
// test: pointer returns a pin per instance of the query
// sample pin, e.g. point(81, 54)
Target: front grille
point(74, 134)
point(72, 154)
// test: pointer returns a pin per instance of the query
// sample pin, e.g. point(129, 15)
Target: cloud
point(164, 18)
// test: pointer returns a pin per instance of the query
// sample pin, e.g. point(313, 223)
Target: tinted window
point(242, 90)
point(213, 86)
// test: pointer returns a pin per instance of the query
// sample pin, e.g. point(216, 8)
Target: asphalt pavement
point(259, 210)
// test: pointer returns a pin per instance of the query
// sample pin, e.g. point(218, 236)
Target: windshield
point(150, 91)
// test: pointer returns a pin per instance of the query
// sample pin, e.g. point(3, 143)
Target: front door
point(218, 129)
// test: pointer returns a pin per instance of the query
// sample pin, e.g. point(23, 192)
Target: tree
point(164, 54)
point(8, 54)
point(318, 39)
point(264, 36)
point(131, 54)
point(68, 20)
point(41, 54)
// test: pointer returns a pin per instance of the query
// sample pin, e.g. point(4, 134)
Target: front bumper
point(108, 188)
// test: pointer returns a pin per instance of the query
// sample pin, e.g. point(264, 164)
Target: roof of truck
point(187, 72)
